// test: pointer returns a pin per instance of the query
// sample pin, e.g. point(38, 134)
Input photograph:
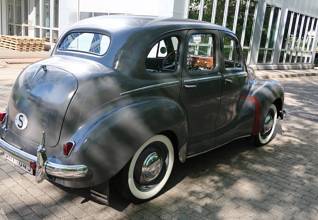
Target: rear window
point(93, 43)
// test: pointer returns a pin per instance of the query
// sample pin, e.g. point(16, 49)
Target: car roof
point(128, 23)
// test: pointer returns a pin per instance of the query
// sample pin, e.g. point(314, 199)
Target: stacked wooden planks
point(20, 43)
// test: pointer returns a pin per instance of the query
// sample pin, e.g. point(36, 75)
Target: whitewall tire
point(267, 131)
point(150, 168)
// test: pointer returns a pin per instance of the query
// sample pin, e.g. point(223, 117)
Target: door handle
point(189, 86)
point(228, 80)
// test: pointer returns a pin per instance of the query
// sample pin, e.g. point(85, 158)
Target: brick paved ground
point(238, 181)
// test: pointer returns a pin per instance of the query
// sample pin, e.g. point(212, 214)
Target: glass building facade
point(273, 33)
point(36, 18)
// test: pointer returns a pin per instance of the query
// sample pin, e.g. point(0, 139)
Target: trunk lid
point(38, 103)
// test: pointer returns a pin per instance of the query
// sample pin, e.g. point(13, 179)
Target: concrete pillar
point(68, 14)
point(314, 46)
point(51, 19)
point(180, 8)
point(257, 31)
point(3, 17)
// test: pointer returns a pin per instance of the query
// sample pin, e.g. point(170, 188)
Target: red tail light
point(33, 165)
point(68, 147)
point(2, 116)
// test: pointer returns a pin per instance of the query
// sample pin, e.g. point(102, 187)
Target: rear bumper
point(50, 168)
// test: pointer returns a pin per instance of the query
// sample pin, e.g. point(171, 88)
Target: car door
point(234, 86)
point(201, 88)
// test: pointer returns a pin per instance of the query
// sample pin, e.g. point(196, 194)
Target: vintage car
point(128, 96)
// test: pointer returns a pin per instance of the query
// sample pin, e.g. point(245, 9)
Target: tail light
point(2, 116)
point(33, 165)
point(68, 147)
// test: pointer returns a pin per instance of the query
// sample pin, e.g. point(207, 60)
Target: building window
point(46, 13)
point(299, 35)
point(237, 15)
point(25, 11)
point(11, 29)
point(10, 11)
point(18, 12)
point(194, 8)
point(56, 13)
point(269, 34)
point(37, 12)
point(55, 36)
point(46, 34)
point(18, 18)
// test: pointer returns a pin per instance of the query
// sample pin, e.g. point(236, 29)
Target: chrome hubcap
point(151, 168)
point(268, 124)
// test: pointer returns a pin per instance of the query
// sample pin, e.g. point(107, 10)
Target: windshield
point(94, 43)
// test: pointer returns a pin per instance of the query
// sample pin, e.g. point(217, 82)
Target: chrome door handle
point(228, 80)
point(189, 86)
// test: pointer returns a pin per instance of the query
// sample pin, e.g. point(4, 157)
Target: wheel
point(148, 170)
point(267, 130)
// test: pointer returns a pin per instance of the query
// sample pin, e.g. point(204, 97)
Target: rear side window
point(93, 43)
point(201, 55)
point(163, 57)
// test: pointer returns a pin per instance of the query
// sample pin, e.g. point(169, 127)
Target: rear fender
point(108, 142)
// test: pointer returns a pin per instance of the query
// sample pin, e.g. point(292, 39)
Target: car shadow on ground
point(217, 166)
point(193, 168)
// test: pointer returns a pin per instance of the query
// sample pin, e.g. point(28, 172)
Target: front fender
point(262, 94)
point(107, 142)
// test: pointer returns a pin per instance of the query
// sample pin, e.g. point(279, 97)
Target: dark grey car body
point(110, 105)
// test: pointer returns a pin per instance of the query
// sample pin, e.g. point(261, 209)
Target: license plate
point(19, 164)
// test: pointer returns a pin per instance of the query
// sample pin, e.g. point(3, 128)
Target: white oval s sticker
point(21, 121)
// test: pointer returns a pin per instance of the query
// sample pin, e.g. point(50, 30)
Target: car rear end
point(31, 128)
point(33, 120)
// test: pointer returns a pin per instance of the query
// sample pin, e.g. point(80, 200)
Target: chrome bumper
point(50, 168)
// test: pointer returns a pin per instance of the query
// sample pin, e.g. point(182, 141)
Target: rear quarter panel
point(108, 140)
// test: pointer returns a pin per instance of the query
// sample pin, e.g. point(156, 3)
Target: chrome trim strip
point(149, 87)
point(235, 74)
point(202, 79)
point(218, 146)
point(53, 169)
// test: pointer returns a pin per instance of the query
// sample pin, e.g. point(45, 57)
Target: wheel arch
point(264, 93)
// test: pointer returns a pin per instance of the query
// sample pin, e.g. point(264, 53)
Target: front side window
point(94, 43)
point(232, 55)
point(163, 57)
point(200, 55)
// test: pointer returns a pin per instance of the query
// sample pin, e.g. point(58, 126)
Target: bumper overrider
point(41, 165)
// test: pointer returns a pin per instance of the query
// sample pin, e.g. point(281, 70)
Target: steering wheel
point(165, 62)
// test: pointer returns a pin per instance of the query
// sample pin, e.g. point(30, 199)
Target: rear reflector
point(33, 165)
point(68, 147)
point(2, 116)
